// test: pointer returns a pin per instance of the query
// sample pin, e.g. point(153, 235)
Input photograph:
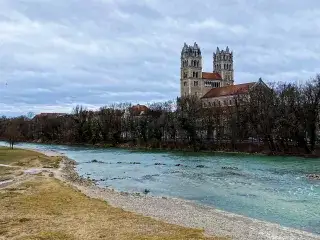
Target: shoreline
point(179, 150)
point(178, 211)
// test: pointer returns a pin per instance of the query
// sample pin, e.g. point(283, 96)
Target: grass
point(27, 158)
point(43, 208)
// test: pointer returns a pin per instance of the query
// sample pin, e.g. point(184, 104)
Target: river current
point(273, 189)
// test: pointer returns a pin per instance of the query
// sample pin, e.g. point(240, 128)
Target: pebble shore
point(182, 212)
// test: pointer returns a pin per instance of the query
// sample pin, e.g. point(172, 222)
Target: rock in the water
point(159, 164)
point(200, 166)
point(134, 163)
point(146, 191)
point(178, 165)
point(314, 176)
point(94, 161)
point(230, 168)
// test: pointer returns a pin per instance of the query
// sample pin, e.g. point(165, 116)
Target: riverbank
point(256, 152)
point(184, 213)
point(178, 211)
point(39, 200)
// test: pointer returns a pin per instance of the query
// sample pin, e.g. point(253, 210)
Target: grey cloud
point(56, 54)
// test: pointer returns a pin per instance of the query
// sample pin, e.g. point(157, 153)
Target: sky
point(56, 54)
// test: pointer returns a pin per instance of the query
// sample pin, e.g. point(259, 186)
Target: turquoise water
point(274, 189)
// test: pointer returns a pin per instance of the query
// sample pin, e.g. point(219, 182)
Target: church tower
point(223, 64)
point(191, 71)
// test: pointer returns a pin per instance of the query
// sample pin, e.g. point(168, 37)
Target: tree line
point(280, 118)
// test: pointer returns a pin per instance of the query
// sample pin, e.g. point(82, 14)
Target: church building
point(216, 87)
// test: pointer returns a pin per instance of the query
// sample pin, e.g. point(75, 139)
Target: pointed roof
point(229, 90)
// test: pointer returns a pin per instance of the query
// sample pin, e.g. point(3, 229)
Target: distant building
point(136, 110)
point(214, 88)
point(49, 115)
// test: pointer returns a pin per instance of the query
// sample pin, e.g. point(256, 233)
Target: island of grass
point(37, 206)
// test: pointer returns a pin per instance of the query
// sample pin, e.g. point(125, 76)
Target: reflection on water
point(268, 188)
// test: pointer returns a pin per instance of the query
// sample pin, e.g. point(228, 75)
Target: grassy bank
point(39, 207)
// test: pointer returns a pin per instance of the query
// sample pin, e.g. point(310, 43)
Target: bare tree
point(12, 133)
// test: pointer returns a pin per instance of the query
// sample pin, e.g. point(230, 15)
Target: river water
point(273, 189)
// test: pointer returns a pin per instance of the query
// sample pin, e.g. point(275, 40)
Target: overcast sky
point(55, 54)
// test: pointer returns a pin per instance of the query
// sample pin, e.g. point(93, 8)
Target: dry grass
point(27, 158)
point(44, 208)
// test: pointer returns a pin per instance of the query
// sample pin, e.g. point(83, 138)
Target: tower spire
point(223, 64)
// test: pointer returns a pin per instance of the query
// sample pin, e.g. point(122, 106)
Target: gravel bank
point(183, 212)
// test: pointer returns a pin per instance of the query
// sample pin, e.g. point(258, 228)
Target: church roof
point(229, 90)
point(211, 75)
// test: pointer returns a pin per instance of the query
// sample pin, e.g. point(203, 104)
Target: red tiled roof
point(211, 75)
point(50, 114)
point(229, 90)
point(137, 109)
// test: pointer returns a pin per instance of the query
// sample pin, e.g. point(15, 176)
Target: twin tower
point(198, 83)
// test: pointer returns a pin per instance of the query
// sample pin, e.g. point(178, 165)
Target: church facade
point(215, 88)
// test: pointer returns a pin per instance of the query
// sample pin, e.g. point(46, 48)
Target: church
point(215, 88)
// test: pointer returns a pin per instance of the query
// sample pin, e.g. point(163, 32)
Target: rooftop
point(229, 90)
point(211, 75)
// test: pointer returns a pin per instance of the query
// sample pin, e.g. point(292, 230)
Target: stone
point(200, 166)
point(314, 176)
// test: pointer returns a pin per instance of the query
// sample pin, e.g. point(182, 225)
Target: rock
point(159, 164)
point(230, 168)
point(314, 176)
point(94, 161)
point(177, 165)
point(51, 174)
point(200, 166)
point(146, 191)
point(134, 163)
point(119, 162)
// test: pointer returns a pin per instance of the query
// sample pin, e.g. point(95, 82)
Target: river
point(273, 189)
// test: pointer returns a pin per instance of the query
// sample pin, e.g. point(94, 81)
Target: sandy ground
point(178, 211)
